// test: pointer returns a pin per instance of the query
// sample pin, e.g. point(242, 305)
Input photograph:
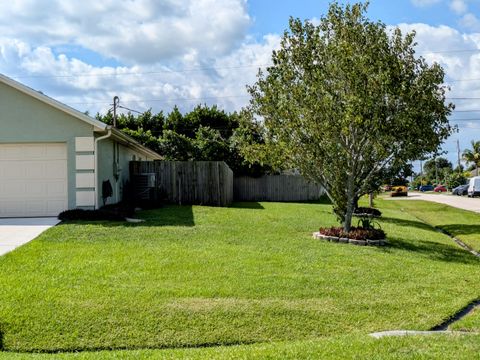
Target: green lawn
point(442, 347)
point(463, 224)
point(203, 276)
point(471, 322)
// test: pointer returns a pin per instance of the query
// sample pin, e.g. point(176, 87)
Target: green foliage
point(346, 99)
point(175, 146)
point(437, 170)
point(472, 156)
point(205, 133)
point(456, 179)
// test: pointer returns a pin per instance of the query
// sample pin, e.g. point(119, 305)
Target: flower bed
point(356, 236)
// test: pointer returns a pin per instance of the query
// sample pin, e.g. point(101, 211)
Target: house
point(53, 157)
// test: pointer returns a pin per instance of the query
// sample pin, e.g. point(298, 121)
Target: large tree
point(346, 99)
point(437, 169)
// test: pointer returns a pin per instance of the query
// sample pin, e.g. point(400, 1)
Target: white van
point(474, 187)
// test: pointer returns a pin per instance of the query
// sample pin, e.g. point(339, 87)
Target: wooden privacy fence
point(275, 188)
point(183, 182)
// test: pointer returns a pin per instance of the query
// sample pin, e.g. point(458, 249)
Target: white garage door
point(33, 179)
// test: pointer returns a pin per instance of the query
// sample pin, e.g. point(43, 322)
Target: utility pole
point(458, 155)
point(116, 100)
point(421, 172)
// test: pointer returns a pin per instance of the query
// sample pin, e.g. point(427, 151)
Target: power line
point(168, 71)
point(163, 100)
point(462, 98)
point(477, 119)
point(460, 80)
point(210, 68)
point(449, 51)
point(135, 111)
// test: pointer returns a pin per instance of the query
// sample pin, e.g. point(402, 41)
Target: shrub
point(91, 215)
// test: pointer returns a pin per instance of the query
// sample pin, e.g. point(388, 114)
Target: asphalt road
point(461, 202)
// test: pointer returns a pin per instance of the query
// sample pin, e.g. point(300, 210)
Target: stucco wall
point(106, 168)
point(24, 119)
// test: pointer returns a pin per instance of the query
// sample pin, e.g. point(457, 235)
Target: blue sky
point(157, 53)
point(272, 16)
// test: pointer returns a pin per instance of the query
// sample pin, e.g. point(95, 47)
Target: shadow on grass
point(247, 205)
point(407, 223)
point(75, 351)
point(433, 250)
point(461, 229)
point(170, 215)
point(2, 346)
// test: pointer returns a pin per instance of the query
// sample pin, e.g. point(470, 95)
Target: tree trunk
point(348, 218)
point(370, 200)
point(350, 205)
point(355, 202)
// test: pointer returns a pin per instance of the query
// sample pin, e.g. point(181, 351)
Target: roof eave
point(132, 143)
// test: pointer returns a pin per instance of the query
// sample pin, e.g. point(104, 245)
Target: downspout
point(96, 163)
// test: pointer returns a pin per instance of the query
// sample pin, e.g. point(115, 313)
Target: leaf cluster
point(205, 133)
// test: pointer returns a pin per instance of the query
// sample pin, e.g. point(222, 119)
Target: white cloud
point(220, 81)
point(132, 31)
point(424, 3)
point(459, 55)
point(470, 21)
point(459, 6)
point(454, 50)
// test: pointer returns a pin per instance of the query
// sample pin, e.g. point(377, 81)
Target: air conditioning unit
point(144, 186)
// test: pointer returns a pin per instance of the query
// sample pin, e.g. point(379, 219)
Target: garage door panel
point(56, 188)
point(35, 206)
point(12, 208)
point(34, 190)
point(56, 169)
point(13, 189)
point(55, 206)
point(8, 152)
point(36, 151)
point(34, 169)
point(33, 179)
point(14, 170)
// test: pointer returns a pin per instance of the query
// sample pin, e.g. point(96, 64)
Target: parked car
point(424, 188)
point(460, 190)
point(474, 186)
point(440, 188)
point(399, 191)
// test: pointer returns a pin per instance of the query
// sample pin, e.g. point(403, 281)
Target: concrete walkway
point(15, 232)
point(460, 202)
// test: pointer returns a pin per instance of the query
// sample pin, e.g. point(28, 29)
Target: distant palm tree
point(473, 155)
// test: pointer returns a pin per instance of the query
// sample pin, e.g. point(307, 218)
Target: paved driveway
point(15, 232)
point(461, 202)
